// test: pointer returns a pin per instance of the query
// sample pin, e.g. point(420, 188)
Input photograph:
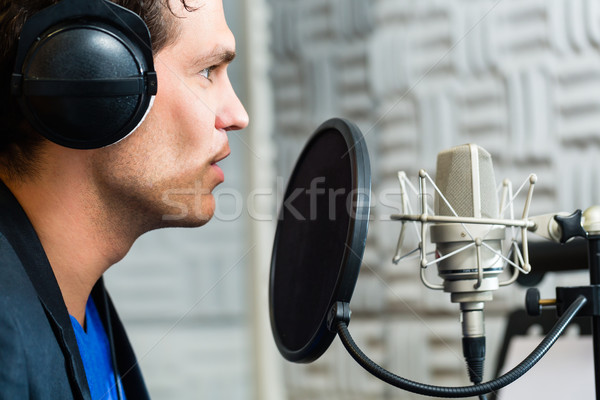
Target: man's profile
point(71, 208)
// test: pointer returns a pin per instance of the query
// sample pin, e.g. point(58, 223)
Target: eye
point(207, 72)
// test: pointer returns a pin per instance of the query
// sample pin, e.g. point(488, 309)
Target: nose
point(233, 115)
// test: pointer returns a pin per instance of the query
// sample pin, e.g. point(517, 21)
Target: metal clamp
point(340, 311)
point(565, 296)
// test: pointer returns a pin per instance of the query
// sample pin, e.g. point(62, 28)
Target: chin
point(191, 221)
point(190, 215)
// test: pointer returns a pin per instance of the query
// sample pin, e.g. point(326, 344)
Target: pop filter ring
point(355, 242)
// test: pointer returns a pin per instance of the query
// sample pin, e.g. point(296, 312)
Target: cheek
point(186, 115)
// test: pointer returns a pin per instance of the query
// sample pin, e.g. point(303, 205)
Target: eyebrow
point(219, 56)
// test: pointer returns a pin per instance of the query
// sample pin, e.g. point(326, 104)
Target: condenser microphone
point(468, 225)
point(467, 188)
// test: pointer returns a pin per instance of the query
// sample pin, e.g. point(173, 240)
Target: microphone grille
point(465, 176)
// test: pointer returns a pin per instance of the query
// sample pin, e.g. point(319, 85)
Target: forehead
point(201, 25)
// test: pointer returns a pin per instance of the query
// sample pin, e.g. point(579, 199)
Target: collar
point(18, 230)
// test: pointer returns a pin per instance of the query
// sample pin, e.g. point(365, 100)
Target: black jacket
point(39, 357)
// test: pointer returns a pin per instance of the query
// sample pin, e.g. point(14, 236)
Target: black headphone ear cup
point(82, 54)
point(85, 83)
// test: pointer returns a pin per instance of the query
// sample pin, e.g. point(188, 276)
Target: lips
point(222, 155)
point(225, 150)
point(213, 165)
point(218, 171)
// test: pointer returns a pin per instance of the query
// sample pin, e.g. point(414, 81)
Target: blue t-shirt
point(95, 354)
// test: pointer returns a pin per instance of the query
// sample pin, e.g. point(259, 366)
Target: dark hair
point(19, 142)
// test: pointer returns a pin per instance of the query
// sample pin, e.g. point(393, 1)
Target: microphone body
point(465, 178)
point(468, 228)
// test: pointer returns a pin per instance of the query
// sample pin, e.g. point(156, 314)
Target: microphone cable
point(464, 391)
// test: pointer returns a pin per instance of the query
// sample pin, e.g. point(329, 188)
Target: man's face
point(167, 168)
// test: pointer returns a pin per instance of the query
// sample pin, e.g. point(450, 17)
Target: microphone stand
point(572, 227)
point(594, 263)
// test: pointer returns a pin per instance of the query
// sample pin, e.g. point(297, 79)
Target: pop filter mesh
point(310, 245)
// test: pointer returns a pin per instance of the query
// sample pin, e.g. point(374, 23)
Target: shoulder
point(21, 311)
point(16, 289)
point(13, 380)
point(27, 341)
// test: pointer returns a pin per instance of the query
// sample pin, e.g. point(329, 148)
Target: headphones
point(84, 73)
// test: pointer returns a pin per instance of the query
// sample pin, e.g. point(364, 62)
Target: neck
point(81, 238)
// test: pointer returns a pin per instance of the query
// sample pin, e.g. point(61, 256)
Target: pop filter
point(320, 239)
